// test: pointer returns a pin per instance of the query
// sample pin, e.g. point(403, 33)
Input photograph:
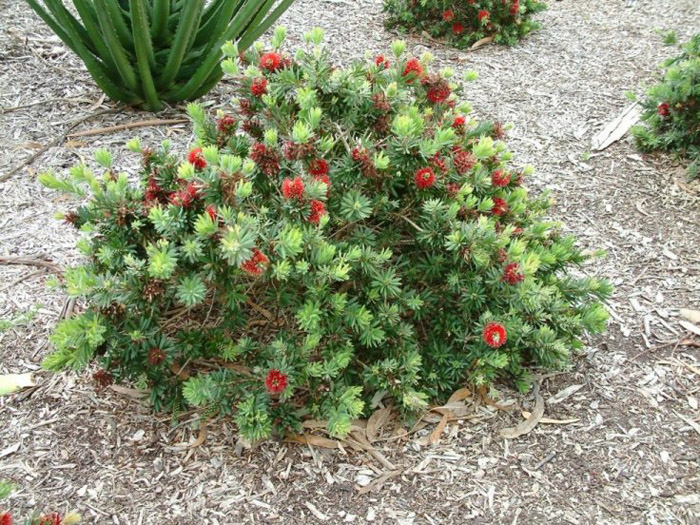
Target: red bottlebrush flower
point(267, 159)
point(271, 62)
point(50, 519)
point(319, 168)
point(514, 8)
point(463, 161)
point(259, 86)
point(495, 335)
point(192, 190)
point(664, 109)
point(424, 178)
point(156, 356)
point(498, 131)
point(438, 94)
point(153, 191)
point(483, 14)
point(276, 381)
point(293, 189)
point(318, 210)
point(226, 125)
point(460, 122)
point(103, 379)
point(381, 61)
point(457, 28)
point(500, 178)
point(438, 163)
point(413, 69)
point(5, 518)
point(453, 189)
point(211, 211)
point(448, 15)
point(511, 275)
point(500, 206)
point(360, 154)
point(256, 264)
point(196, 158)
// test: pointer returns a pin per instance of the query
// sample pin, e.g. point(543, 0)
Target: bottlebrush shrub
point(353, 237)
point(465, 22)
point(672, 109)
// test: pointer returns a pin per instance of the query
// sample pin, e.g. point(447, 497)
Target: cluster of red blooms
point(154, 193)
point(319, 170)
point(196, 158)
point(381, 61)
point(437, 87)
point(299, 150)
point(48, 519)
point(361, 156)
point(495, 335)
point(273, 62)
point(459, 122)
point(500, 206)
point(483, 15)
point(103, 379)
point(463, 161)
point(664, 109)
point(500, 178)
point(293, 188)
point(256, 264)
point(185, 196)
point(511, 275)
point(276, 381)
point(259, 86)
point(425, 178)
point(413, 70)
point(226, 125)
point(156, 356)
point(267, 158)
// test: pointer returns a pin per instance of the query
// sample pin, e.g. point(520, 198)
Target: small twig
point(130, 125)
point(546, 460)
point(30, 261)
point(51, 144)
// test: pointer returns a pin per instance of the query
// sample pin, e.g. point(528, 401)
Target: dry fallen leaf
point(459, 395)
point(11, 383)
point(482, 42)
point(691, 315)
point(690, 327)
point(376, 421)
point(563, 394)
point(531, 422)
point(130, 392)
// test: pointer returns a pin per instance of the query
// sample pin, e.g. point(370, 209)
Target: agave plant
point(144, 52)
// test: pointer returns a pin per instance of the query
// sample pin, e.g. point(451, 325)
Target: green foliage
point(464, 22)
point(5, 489)
point(671, 117)
point(355, 237)
point(144, 52)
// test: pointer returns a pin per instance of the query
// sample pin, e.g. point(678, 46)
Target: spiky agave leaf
point(145, 52)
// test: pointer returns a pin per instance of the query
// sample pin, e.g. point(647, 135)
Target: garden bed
point(629, 456)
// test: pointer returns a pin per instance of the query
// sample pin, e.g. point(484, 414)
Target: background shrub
point(464, 22)
point(144, 52)
point(671, 114)
point(352, 237)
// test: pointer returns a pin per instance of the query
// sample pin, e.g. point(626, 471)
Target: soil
point(625, 444)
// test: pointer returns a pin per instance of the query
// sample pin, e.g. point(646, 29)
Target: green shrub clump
point(462, 22)
point(352, 237)
point(671, 117)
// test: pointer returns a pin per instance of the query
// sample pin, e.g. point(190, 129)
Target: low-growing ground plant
point(671, 117)
point(351, 237)
point(464, 22)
